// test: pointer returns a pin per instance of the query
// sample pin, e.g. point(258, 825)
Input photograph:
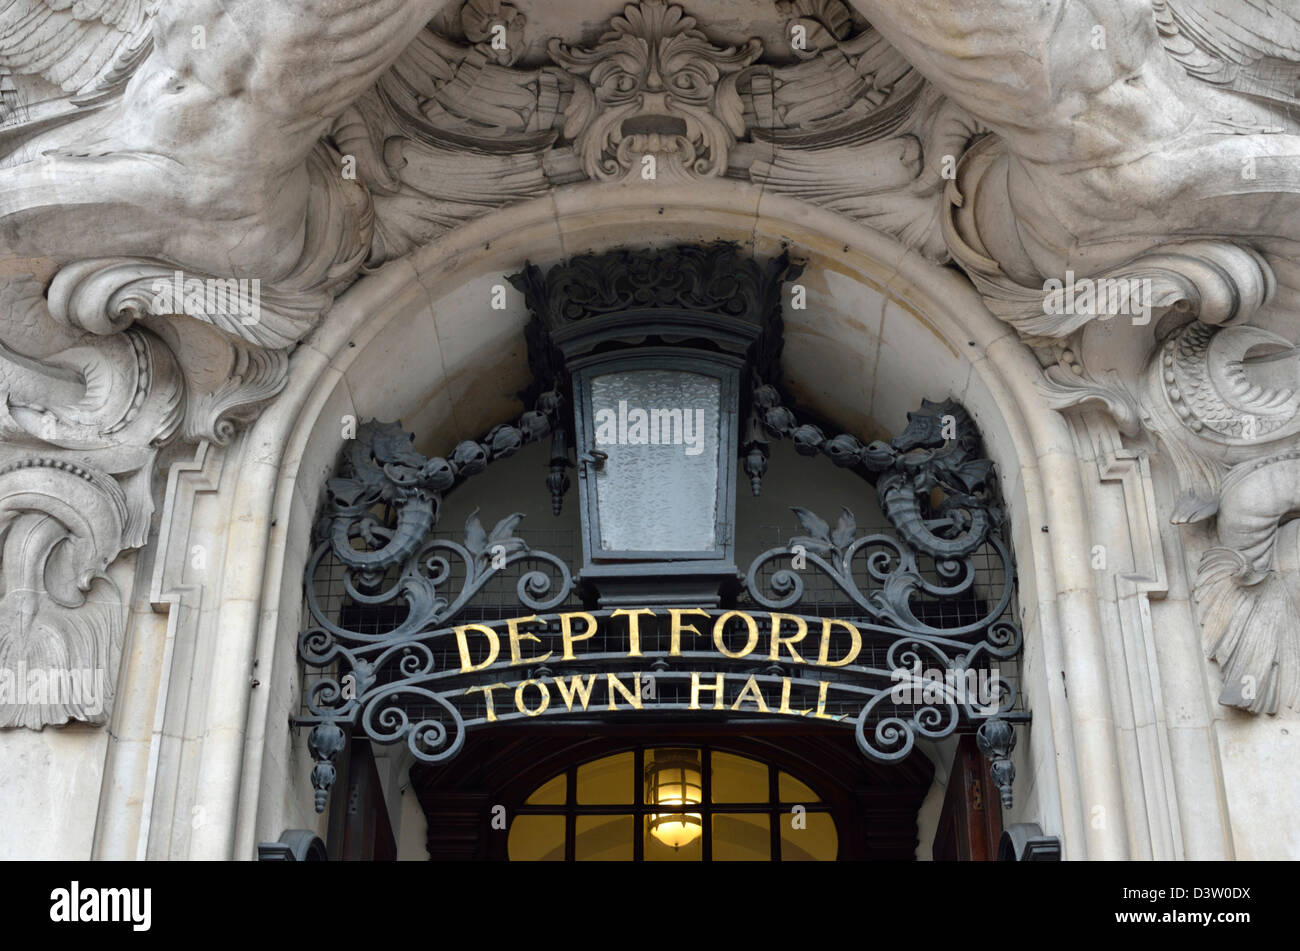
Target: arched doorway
point(409, 624)
point(673, 803)
point(771, 798)
point(409, 342)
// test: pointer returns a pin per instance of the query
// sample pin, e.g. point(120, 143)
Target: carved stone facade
point(215, 221)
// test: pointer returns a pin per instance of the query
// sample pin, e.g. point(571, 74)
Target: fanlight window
point(684, 804)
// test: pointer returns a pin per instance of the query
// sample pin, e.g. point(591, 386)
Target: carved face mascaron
point(655, 87)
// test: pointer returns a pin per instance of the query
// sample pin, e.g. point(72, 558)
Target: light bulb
point(673, 780)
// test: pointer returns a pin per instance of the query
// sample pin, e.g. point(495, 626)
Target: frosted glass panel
point(658, 490)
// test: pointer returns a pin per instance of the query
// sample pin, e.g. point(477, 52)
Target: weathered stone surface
point(186, 188)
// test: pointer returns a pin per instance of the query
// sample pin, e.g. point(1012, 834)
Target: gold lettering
point(821, 714)
point(633, 627)
point(467, 665)
point(632, 696)
point(675, 632)
point(516, 636)
point(575, 688)
point(801, 631)
point(523, 707)
point(566, 631)
point(721, 645)
point(823, 655)
point(487, 699)
point(785, 700)
point(696, 688)
point(751, 686)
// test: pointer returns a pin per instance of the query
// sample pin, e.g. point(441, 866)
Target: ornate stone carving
point(256, 195)
point(1223, 404)
point(1249, 48)
point(480, 18)
point(1217, 382)
point(1246, 605)
point(254, 376)
point(654, 87)
point(846, 125)
point(452, 129)
point(1194, 174)
point(111, 406)
point(81, 429)
point(109, 39)
point(103, 409)
point(1068, 383)
point(61, 618)
point(130, 153)
point(1218, 281)
point(854, 128)
point(850, 124)
point(1189, 204)
point(201, 172)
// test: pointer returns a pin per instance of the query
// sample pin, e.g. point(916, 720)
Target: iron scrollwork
point(937, 492)
point(394, 681)
point(933, 592)
point(377, 524)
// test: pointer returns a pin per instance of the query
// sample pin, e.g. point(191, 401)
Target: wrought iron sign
point(670, 628)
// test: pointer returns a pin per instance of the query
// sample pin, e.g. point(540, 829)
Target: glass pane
point(810, 837)
point(792, 790)
point(608, 781)
point(742, 837)
point(736, 779)
point(604, 838)
point(550, 793)
point(658, 490)
point(656, 850)
point(536, 839)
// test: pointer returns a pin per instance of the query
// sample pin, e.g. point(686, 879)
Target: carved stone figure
point(655, 87)
point(1131, 152)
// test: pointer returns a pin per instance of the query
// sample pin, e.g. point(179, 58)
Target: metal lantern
point(673, 784)
point(656, 433)
point(652, 347)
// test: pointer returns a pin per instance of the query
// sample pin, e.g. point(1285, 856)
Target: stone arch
point(404, 340)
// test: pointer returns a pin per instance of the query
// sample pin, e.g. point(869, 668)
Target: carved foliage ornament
point(61, 618)
point(1224, 405)
point(453, 130)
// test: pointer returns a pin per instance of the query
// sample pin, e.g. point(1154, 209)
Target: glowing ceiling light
point(672, 779)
